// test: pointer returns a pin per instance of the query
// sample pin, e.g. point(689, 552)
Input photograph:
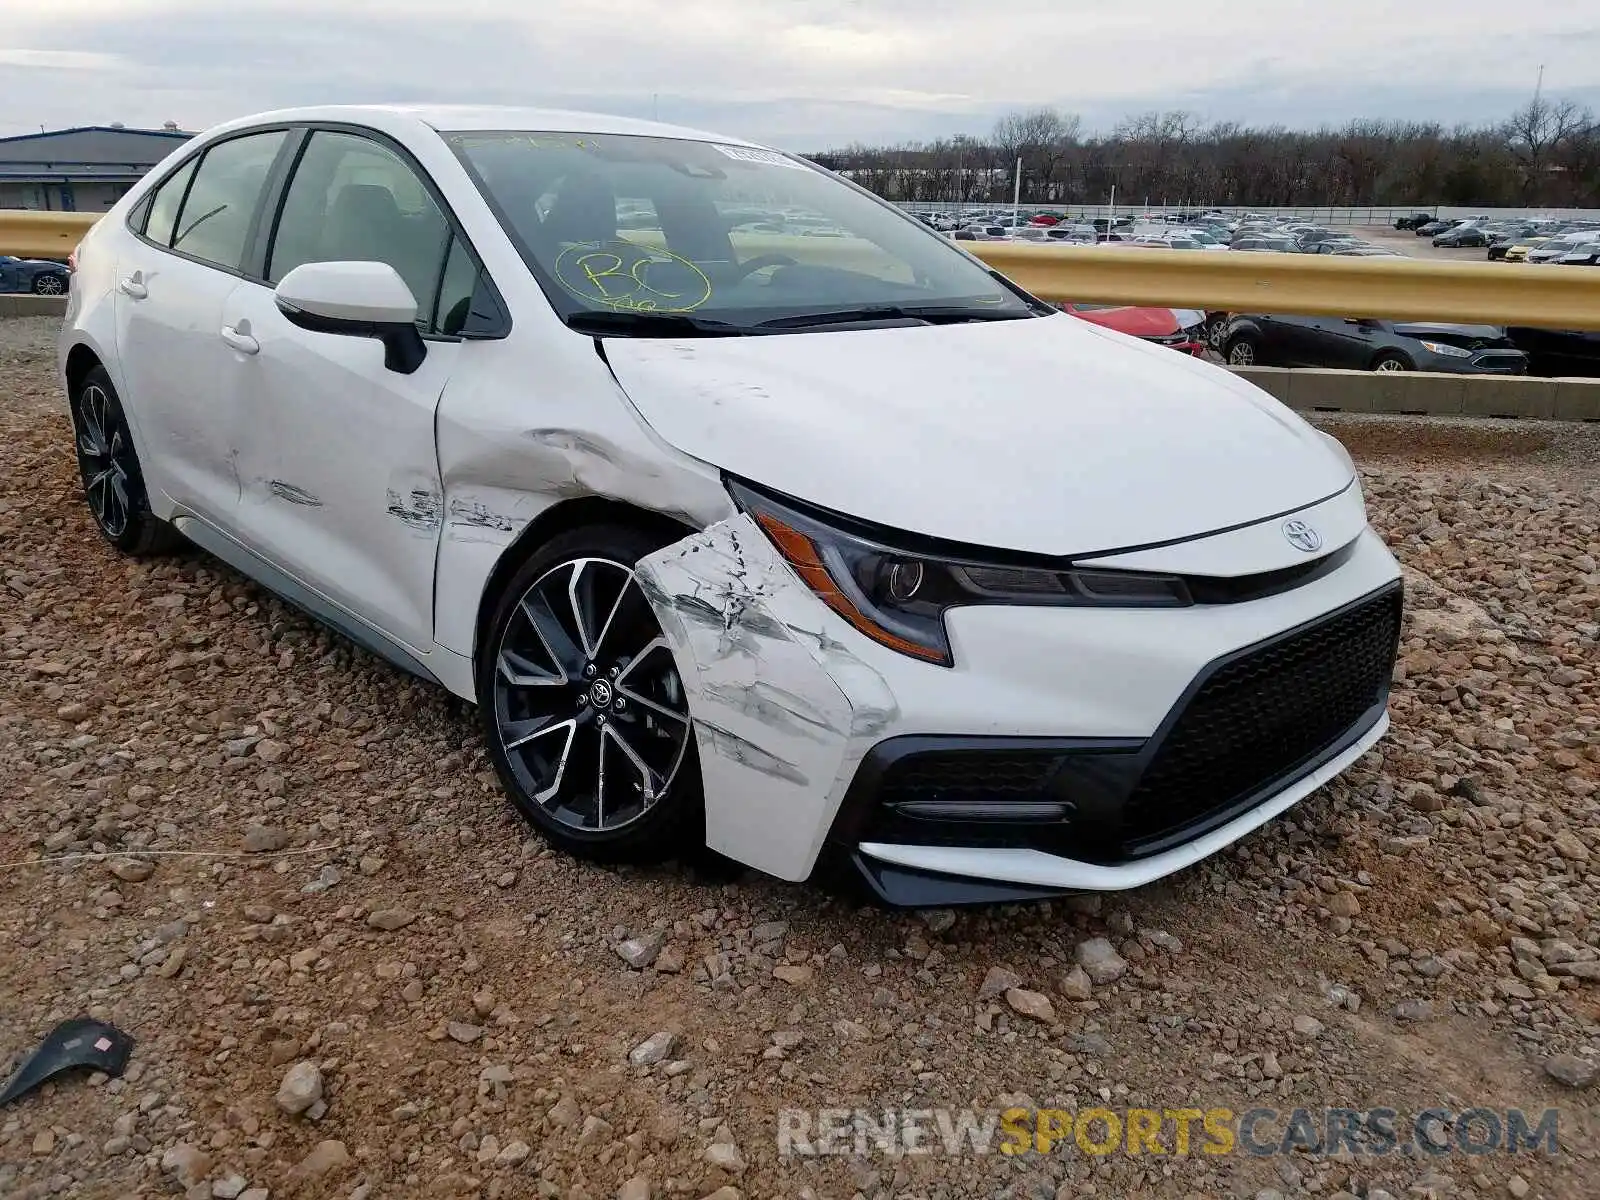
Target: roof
point(90, 152)
point(461, 117)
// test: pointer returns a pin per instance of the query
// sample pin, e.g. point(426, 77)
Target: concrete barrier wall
point(1425, 394)
point(32, 306)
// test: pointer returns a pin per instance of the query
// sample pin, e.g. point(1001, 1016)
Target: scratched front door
point(339, 477)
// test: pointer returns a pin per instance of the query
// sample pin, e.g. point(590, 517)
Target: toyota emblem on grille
point(1301, 536)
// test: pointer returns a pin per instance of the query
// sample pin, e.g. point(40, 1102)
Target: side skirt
point(247, 562)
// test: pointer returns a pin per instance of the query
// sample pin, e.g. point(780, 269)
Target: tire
point(108, 464)
point(1217, 332)
point(585, 717)
point(1243, 351)
point(1390, 361)
point(49, 285)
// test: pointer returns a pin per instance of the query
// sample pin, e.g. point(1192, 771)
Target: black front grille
point(1501, 360)
point(1263, 716)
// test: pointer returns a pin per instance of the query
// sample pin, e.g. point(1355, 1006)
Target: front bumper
point(1484, 362)
point(796, 715)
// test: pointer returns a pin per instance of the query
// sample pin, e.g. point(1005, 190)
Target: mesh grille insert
point(1265, 714)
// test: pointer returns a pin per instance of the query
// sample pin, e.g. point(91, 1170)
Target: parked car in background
point(1519, 251)
point(1162, 326)
point(41, 276)
point(1435, 228)
point(1564, 352)
point(1559, 247)
point(1415, 221)
point(1585, 254)
point(1463, 235)
point(674, 509)
point(1072, 235)
point(1335, 246)
point(1265, 243)
point(1503, 240)
point(1368, 345)
point(1310, 242)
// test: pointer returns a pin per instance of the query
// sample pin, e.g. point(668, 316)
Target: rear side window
point(354, 200)
point(164, 205)
point(215, 218)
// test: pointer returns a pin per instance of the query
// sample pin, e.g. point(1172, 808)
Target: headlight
point(1447, 350)
point(897, 594)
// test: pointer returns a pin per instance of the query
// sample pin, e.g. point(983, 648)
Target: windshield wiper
point(605, 322)
point(936, 314)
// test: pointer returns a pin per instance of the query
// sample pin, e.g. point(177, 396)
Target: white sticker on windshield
point(770, 158)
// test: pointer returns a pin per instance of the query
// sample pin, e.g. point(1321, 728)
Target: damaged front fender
point(783, 711)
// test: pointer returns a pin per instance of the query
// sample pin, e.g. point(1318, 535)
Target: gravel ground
point(288, 872)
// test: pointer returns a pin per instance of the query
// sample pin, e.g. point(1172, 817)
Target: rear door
point(174, 277)
point(1344, 342)
point(1291, 341)
point(339, 468)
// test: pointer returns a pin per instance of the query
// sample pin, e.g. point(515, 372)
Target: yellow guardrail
point(1314, 285)
point(29, 234)
point(1332, 285)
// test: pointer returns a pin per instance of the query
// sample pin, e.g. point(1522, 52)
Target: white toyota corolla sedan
point(832, 552)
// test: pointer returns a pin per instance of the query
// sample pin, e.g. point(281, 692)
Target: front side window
point(727, 236)
point(216, 214)
point(164, 205)
point(354, 200)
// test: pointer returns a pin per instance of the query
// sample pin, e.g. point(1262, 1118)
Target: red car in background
point(1159, 325)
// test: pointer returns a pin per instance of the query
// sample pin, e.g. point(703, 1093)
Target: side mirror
point(356, 299)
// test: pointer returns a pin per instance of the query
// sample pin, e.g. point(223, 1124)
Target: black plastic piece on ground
point(80, 1042)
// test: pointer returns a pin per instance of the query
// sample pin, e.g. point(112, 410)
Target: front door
point(339, 470)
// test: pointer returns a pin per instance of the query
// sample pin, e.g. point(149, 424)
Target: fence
point(1373, 215)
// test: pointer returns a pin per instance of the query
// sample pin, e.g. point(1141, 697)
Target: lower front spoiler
point(949, 876)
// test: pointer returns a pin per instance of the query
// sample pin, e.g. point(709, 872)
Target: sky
point(806, 75)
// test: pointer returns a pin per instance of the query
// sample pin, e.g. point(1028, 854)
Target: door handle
point(240, 339)
point(133, 286)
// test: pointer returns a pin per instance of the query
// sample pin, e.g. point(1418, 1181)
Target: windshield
point(715, 238)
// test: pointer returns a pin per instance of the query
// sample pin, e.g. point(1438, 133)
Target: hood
point(1047, 435)
point(1138, 322)
point(1468, 337)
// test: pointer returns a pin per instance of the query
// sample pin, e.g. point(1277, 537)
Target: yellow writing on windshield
point(632, 278)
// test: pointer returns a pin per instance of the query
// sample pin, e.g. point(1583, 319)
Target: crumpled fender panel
point(783, 711)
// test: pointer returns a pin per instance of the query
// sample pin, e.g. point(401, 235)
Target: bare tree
point(1535, 131)
point(1548, 152)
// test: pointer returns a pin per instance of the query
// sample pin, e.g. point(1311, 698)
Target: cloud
point(799, 73)
point(58, 60)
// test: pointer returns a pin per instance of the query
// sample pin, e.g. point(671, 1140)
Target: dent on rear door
point(783, 710)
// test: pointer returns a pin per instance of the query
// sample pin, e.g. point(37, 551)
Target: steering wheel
point(748, 268)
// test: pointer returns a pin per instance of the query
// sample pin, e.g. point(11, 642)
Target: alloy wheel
point(105, 458)
point(1241, 354)
point(48, 285)
point(1389, 365)
point(588, 704)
